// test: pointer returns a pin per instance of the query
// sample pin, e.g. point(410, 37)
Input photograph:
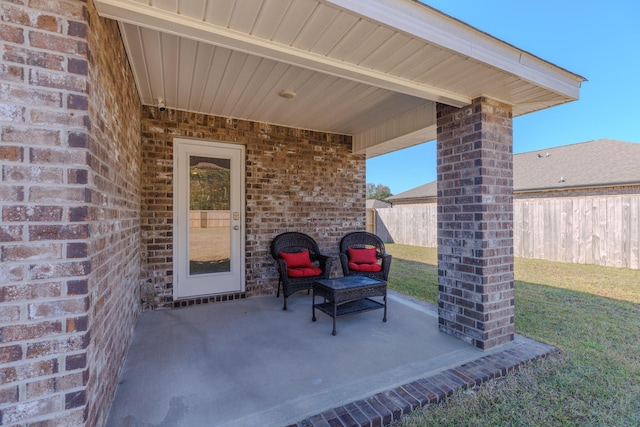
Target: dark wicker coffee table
point(349, 295)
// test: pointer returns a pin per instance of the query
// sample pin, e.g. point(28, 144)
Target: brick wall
point(296, 180)
point(113, 212)
point(68, 232)
point(475, 222)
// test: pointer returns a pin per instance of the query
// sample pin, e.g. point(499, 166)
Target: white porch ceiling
point(373, 69)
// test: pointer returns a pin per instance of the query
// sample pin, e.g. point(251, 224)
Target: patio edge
point(383, 408)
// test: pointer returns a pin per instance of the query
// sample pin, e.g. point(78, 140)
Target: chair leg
point(278, 293)
point(285, 301)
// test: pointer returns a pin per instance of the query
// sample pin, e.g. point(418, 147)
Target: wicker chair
point(294, 243)
point(364, 240)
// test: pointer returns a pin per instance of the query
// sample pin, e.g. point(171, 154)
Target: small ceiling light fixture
point(286, 94)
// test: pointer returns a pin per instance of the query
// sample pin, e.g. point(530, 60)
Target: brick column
point(475, 223)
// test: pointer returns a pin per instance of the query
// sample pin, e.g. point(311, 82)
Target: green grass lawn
point(591, 313)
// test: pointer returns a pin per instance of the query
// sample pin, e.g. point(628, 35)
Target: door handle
point(236, 227)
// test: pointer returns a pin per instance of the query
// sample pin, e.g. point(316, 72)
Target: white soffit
point(357, 66)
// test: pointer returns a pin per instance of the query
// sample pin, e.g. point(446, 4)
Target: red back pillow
point(362, 256)
point(296, 259)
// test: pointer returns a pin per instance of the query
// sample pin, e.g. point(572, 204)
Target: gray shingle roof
point(425, 190)
point(597, 163)
point(588, 164)
point(375, 204)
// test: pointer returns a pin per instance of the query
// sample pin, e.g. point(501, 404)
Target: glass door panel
point(209, 215)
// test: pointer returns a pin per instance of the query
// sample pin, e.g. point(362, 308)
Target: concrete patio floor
point(249, 363)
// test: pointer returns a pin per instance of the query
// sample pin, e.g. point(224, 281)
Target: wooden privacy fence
point(209, 219)
point(413, 225)
point(601, 230)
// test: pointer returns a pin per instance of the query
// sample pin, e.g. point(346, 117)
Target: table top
point(349, 282)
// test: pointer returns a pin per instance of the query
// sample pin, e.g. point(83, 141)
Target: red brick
point(30, 252)
point(77, 139)
point(11, 272)
point(28, 332)
point(57, 118)
point(20, 55)
point(30, 291)
point(20, 213)
point(32, 96)
point(11, 193)
point(77, 29)
point(11, 353)
point(75, 399)
point(50, 79)
point(63, 308)
point(77, 324)
point(11, 34)
point(10, 233)
point(56, 43)
point(76, 361)
point(71, 380)
point(77, 176)
point(48, 23)
point(11, 73)
point(33, 136)
point(11, 113)
point(56, 270)
point(32, 174)
point(78, 214)
point(77, 102)
point(15, 15)
point(66, 8)
point(32, 409)
point(41, 388)
point(8, 395)
point(76, 250)
point(77, 287)
point(59, 346)
point(78, 66)
point(58, 232)
point(57, 194)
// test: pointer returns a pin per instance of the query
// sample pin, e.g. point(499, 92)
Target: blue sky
point(599, 40)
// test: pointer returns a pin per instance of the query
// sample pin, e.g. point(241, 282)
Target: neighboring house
point(111, 108)
point(576, 203)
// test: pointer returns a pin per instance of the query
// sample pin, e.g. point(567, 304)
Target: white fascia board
point(146, 16)
point(426, 23)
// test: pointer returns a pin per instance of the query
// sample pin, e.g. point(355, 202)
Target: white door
point(208, 218)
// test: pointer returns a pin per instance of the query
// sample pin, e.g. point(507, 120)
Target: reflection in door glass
point(209, 215)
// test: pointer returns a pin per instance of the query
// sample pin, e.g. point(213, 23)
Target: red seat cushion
point(296, 259)
point(304, 272)
point(362, 256)
point(368, 268)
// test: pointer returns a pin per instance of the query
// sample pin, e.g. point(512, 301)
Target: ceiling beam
point(146, 16)
point(405, 130)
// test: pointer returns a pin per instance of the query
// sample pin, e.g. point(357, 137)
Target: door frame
point(178, 222)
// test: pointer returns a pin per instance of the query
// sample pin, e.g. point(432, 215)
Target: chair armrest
point(326, 263)
point(344, 261)
point(282, 267)
point(386, 265)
